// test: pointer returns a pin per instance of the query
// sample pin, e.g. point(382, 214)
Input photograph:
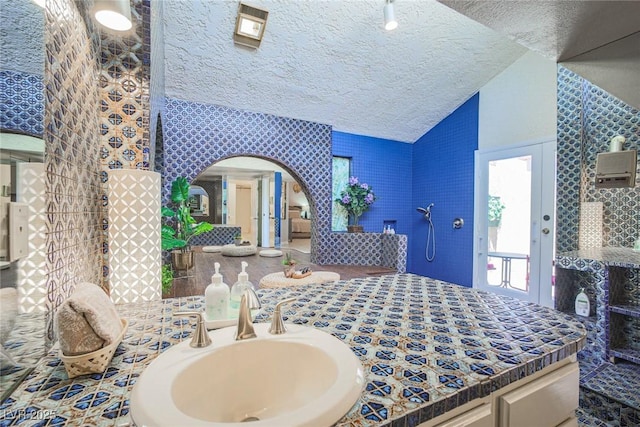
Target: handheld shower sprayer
point(426, 211)
point(431, 234)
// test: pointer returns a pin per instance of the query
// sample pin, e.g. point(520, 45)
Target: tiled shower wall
point(588, 117)
point(75, 207)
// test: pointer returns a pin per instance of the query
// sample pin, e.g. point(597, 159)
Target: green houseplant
point(180, 226)
point(495, 211)
point(356, 199)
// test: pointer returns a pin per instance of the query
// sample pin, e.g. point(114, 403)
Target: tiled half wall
point(197, 135)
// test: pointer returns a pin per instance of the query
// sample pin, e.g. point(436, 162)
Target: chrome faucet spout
point(248, 302)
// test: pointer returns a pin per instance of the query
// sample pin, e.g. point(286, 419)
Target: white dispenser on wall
point(617, 168)
point(216, 297)
point(582, 304)
point(240, 286)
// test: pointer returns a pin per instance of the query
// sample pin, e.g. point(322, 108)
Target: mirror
point(241, 190)
point(22, 281)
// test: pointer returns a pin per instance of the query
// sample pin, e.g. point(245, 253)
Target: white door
point(254, 210)
point(514, 221)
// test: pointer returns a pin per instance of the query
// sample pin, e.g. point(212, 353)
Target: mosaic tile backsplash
point(426, 347)
point(588, 117)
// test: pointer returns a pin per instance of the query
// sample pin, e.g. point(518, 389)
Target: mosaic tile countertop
point(616, 257)
point(426, 347)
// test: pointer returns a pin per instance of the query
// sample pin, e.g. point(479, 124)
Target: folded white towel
point(87, 321)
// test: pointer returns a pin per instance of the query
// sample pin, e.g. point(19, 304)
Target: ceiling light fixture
point(113, 14)
point(250, 25)
point(390, 22)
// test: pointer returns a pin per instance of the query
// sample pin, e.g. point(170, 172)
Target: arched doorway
point(262, 197)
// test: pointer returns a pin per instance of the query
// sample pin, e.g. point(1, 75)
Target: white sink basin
point(304, 377)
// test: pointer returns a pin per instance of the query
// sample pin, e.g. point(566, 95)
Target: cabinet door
point(477, 417)
point(571, 422)
point(545, 402)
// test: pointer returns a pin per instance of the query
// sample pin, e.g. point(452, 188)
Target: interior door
point(255, 184)
point(515, 221)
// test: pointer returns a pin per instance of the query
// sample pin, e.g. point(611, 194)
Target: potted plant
point(495, 218)
point(495, 211)
point(289, 265)
point(180, 226)
point(237, 239)
point(166, 279)
point(356, 198)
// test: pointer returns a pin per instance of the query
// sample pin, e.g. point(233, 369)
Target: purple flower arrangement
point(356, 198)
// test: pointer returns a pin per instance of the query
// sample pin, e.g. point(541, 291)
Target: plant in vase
point(495, 218)
point(495, 211)
point(181, 226)
point(237, 239)
point(356, 199)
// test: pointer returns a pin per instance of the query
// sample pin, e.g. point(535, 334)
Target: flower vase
point(355, 228)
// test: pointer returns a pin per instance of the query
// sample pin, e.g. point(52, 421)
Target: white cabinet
point(477, 417)
point(548, 398)
point(547, 401)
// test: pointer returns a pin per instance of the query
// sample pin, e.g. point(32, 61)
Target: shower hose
point(431, 238)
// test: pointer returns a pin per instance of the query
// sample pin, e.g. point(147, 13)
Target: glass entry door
point(514, 224)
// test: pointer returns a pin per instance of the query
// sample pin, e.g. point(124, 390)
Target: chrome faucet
point(200, 336)
point(277, 324)
point(248, 302)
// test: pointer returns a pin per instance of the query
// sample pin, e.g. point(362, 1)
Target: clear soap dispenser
point(216, 297)
point(240, 286)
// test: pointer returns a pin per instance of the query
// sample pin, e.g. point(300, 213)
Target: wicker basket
point(95, 362)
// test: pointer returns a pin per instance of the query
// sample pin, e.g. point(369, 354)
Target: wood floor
point(200, 275)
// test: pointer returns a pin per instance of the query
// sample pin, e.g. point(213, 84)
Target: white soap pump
point(216, 297)
point(240, 286)
point(582, 304)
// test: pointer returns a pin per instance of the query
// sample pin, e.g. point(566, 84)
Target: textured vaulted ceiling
point(330, 61)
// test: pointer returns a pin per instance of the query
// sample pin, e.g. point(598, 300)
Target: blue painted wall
point(443, 174)
point(386, 166)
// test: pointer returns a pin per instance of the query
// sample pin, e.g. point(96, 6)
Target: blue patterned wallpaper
point(443, 174)
point(21, 102)
point(588, 117)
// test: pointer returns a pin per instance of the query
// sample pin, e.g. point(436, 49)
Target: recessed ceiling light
point(250, 25)
point(113, 14)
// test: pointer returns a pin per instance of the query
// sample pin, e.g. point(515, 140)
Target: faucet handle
point(277, 324)
point(200, 336)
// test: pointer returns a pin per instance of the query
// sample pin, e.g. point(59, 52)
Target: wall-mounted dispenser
point(616, 169)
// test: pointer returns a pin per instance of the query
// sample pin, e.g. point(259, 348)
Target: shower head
point(426, 211)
